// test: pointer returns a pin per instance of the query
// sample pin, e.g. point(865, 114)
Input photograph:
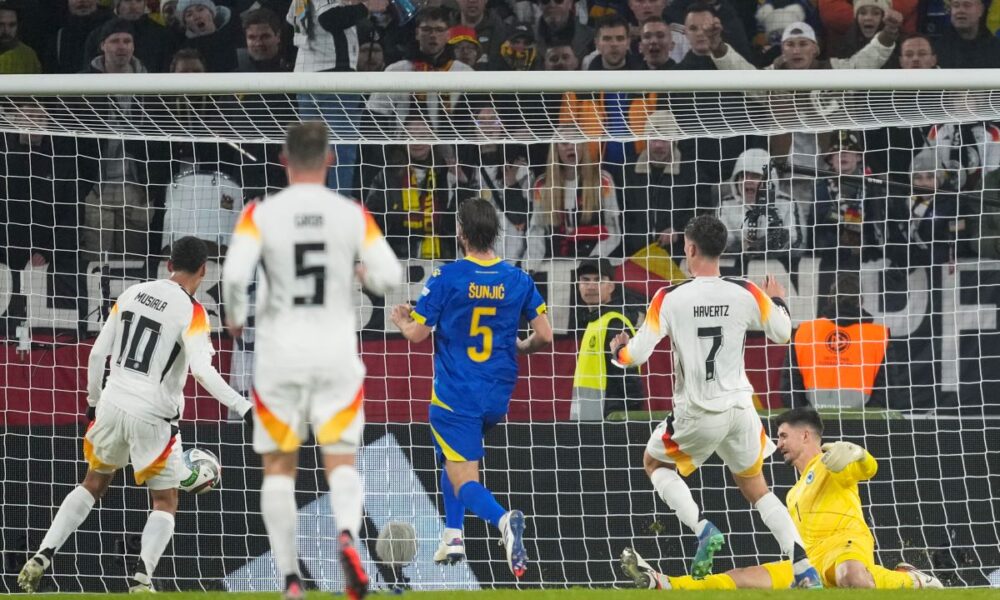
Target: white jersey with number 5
point(707, 319)
point(307, 240)
point(154, 332)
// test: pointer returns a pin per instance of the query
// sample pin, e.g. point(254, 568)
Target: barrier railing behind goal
point(873, 196)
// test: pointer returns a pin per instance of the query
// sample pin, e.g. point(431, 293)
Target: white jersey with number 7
point(707, 319)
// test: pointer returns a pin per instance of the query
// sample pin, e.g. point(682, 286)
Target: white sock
point(676, 493)
point(347, 499)
point(155, 537)
point(776, 517)
point(72, 513)
point(280, 513)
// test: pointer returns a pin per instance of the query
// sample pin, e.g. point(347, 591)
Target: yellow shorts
point(825, 562)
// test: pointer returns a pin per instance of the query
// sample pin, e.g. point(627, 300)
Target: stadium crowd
point(911, 196)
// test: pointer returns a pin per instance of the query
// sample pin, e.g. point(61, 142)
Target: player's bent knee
point(280, 463)
point(650, 464)
point(165, 500)
point(97, 483)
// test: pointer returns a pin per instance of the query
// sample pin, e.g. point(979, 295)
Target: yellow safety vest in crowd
point(591, 376)
point(839, 365)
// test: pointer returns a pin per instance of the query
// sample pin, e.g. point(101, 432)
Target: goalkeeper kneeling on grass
point(826, 509)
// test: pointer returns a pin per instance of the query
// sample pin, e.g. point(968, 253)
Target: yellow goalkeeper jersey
point(826, 506)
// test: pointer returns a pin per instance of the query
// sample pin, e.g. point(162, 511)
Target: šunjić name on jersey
point(152, 302)
point(309, 220)
point(487, 292)
point(712, 310)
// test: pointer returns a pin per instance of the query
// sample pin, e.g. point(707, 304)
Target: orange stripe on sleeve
point(332, 430)
point(372, 231)
point(653, 314)
point(199, 321)
point(246, 225)
point(763, 302)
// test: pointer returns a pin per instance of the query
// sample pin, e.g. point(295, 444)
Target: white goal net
point(874, 199)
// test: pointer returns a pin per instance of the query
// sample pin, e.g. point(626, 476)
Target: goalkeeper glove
point(838, 455)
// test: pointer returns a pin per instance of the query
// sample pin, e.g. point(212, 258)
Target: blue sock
point(454, 510)
point(481, 502)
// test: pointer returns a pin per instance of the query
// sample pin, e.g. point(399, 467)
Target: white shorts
point(116, 438)
point(736, 435)
point(285, 406)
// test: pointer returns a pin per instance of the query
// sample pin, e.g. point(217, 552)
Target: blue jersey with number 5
point(475, 308)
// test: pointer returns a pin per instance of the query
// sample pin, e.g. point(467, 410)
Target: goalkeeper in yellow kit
point(826, 509)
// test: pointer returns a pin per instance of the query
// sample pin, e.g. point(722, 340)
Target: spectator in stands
point(575, 210)
point(491, 32)
point(659, 190)
point(263, 53)
point(16, 58)
point(371, 57)
point(63, 54)
point(921, 228)
point(758, 218)
point(600, 386)
point(130, 174)
point(837, 361)
point(499, 173)
point(916, 52)
point(384, 28)
point(772, 17)
point(612, 38)
point(868, 15)
point(967, 43)
point(154, 43)
point(561, 57)
point(643, 11)
point(800, 49)
point(729, 20)
point(442, 112)
point(701, 28)
point(38, 182)
point(837, 16)
point(414, 199)
point(655, 45)
point(558, 27)
point(518, 52)
point(465, 45)
point(211, 30)
point(326, 36)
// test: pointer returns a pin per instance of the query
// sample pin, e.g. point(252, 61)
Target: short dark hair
point(803, 416)
point(186, 54)
point(655, 19)
point(708, 233)
point(188, 254)
point(262, 16)
point(307, 144)
point(433, 13)
point(918, 36)
point(700, 7)
point(610, 21)
point(480, 224)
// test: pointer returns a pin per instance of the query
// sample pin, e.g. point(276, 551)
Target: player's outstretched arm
point(102, 348)
point(774, 318)
point(636, 351)
point(849, 461)
point(412, 329)
point(237, 271)
point(198, 348)
point(540, 337)
point(379, 270)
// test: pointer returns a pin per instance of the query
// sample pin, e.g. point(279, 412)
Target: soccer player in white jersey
point(307, 240)
point(154, 332)
point(707, 319)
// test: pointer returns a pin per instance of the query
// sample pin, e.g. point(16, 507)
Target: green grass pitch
point(595, 594)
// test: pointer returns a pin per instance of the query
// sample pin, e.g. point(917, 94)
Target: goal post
point(873, 196)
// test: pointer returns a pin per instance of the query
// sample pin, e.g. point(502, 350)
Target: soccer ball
point(397, 544)
point(206, 472)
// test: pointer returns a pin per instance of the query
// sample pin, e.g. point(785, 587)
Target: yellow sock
point(712, 582)
point(891, 580)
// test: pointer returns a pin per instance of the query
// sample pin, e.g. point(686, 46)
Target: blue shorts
point(459, 438)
